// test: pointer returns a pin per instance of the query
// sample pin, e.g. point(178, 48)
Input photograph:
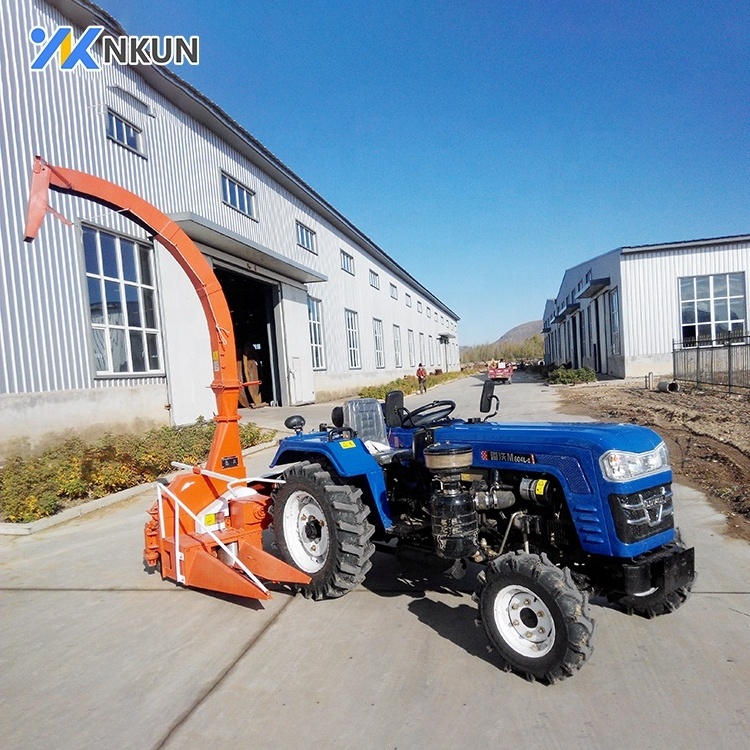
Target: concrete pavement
point(96, 653)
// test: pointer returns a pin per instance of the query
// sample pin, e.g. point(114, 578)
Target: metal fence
point(710, 362)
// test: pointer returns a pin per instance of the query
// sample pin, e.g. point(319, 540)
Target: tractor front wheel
point(535, 617)
point(655, 601)
point(321, 528)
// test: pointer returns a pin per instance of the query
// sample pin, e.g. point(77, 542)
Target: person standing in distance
point(422, 378)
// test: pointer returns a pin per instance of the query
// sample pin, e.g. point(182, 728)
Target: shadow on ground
point(428, 585)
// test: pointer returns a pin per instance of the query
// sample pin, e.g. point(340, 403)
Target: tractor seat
point(365, 417)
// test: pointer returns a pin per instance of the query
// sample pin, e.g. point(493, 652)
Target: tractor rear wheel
point(321, 528)
point(535, 617)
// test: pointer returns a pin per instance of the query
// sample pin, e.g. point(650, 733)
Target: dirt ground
point(707, 433)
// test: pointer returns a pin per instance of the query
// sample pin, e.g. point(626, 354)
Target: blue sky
point(488, 146)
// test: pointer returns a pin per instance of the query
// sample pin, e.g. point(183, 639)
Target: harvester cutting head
point(206, 532)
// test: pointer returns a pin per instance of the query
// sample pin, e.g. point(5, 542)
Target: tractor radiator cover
point(642, 514)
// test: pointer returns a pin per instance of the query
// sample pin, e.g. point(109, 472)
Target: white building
point(621, 312)
point(101, 327)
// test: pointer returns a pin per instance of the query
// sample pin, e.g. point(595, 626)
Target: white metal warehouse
point(621, 313)
point(98, 326)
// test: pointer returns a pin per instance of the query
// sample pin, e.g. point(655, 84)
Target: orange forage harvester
point(206, 525)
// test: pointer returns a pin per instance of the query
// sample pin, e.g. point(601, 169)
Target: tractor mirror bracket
point(488, 398)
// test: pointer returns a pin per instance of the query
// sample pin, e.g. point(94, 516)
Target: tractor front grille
point(642, 514)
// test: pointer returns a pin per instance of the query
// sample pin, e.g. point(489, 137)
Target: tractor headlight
point(622, 466)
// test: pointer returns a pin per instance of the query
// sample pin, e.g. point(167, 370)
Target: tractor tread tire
point(350, 548)
point(575, 628)
point(657, 603)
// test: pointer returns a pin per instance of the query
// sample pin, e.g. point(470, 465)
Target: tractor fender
point(348, 458)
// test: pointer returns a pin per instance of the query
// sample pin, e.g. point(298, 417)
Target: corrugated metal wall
point(45, 340)
point(40, 296)
point(648, 286)
point(596, 351)
point(650, 290)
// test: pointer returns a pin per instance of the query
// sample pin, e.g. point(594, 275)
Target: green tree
point(532, 349)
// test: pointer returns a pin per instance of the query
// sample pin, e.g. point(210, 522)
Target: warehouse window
point(407, 297)
point(397, 346)
point(315, 319)
point(712, 308)
point(121, 131)
point(377, 332)
point(374, 280)
point(394, 291)
point(410, 344)
point(347, 263)
point(422, 357)
point(431, 350)
point(122, 302)
point(352, 339)
point(306, 238)
point(419, 306)
point(237, 196)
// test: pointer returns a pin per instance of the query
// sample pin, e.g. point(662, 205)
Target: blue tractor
point(552, 512)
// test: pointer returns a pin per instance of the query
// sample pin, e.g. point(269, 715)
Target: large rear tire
point(535, 617)
point(321, 528)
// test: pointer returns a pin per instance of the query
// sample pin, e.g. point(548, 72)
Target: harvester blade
point(269, 567)
point(204, 571)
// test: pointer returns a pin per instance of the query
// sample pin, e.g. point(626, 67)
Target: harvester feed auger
point(206, 526)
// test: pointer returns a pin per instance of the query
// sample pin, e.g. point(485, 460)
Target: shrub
point(32, 487)
point(27, 489)
point(564, 376)
point(408, 384)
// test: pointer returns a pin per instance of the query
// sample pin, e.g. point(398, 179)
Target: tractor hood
point(595, 437)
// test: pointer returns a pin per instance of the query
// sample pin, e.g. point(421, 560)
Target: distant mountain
point(519, 334)
point(516, 339)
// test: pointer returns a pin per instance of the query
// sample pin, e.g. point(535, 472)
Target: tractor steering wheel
point(427, 414)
